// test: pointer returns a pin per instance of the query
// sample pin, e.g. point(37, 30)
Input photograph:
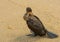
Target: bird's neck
point(30, 13)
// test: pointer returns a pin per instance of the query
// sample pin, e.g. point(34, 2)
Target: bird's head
point(28, 9)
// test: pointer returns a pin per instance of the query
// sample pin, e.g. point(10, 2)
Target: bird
point(36, 26)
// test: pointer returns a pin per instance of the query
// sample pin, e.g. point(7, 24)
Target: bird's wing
point(36, 23)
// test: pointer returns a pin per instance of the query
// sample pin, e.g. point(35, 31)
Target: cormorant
point(35, 25)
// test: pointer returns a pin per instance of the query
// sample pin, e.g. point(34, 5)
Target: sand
point(13, 28)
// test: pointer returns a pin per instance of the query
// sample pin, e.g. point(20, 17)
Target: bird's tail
point(51, 35)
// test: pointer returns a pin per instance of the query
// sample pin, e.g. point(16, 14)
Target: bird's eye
point(29, 14)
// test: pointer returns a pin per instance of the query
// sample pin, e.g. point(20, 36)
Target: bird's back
point(35, 25)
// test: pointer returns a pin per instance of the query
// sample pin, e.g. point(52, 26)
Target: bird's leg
point(33, 34)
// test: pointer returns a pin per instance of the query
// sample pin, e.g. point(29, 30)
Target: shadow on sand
point(27, 39)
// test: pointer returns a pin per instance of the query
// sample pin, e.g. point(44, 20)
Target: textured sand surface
point(14, 29)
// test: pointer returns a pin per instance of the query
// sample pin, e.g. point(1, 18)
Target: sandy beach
point(13, 28)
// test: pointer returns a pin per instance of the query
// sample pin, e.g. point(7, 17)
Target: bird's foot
point(33, 35)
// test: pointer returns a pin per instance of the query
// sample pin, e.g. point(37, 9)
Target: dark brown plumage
point(35, 24)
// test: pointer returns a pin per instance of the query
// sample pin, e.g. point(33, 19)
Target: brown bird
point(35, 25)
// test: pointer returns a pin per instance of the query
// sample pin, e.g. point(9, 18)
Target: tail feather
point(51, 35)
